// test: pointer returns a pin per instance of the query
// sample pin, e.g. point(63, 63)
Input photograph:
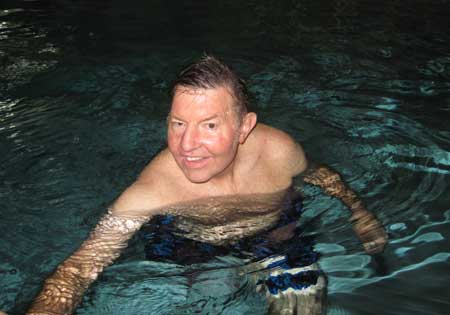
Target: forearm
point(331, 182)
point(365, 224)
point(63, 290)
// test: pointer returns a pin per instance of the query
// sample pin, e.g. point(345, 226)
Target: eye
point(177, 124)
point(211, 126)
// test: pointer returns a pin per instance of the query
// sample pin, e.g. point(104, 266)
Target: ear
point(248, 123)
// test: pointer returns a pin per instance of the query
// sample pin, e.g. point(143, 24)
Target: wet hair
point(210, 73)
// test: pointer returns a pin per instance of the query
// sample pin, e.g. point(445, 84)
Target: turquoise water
point(365, 88)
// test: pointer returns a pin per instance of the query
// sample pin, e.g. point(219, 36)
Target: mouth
point(193, 158)
point(195, 161)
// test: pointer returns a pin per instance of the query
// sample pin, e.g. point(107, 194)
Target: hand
point(283, 233)
point(370, 231)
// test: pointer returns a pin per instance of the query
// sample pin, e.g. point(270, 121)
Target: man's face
point(203, 135)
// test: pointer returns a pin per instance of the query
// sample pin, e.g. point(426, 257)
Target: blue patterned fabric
point(298, 281)
point(164, 245)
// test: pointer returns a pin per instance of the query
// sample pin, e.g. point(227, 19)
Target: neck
point(224, 183)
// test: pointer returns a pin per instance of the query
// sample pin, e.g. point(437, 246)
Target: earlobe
point(248, 123)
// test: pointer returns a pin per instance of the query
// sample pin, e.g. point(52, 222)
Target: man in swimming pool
point(216, 152)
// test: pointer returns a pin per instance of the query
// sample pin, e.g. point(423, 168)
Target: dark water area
point(364, 86)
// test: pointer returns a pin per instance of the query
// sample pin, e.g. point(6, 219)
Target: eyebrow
point(203, 120)
point(171, 116)
point(210, 118)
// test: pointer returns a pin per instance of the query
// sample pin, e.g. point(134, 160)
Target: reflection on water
point(365, 89)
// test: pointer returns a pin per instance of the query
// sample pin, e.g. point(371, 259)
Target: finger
point(376, 246)
point(372, 248)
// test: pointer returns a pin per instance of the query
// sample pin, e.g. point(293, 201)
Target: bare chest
point(225, 219)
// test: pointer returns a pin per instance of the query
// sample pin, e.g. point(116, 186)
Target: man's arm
point(291, 160)
point(365, 224)
point(63, 290)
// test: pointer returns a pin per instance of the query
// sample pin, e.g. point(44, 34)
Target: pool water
point(365, 87)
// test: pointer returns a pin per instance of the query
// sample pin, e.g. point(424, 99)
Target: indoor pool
point(364, 86)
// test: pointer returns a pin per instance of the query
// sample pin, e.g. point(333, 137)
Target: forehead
point(201, 102)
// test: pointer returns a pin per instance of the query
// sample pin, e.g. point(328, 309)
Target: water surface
point(364, 87)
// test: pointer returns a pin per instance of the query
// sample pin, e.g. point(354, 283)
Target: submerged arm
point(63, 290)
point(365, 224)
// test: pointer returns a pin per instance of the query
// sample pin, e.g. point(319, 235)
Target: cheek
point(220, 144)
point(211, 140)
point(172, 140)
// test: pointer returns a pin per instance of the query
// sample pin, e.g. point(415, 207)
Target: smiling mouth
point(193, 159)
point(195, 162)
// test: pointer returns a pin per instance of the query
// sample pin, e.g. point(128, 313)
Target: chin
point(197, 178)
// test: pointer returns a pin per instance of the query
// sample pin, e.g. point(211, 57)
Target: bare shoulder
point(146, 196)
point(282, 150)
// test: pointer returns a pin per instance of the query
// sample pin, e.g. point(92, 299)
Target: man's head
point(208, 120)
point(211, 73)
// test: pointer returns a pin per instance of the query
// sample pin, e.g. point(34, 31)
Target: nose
point(190, 140)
